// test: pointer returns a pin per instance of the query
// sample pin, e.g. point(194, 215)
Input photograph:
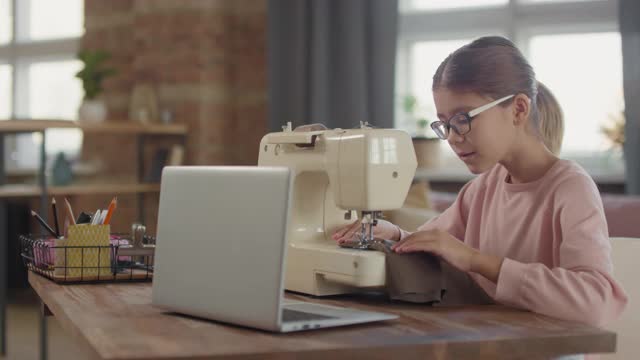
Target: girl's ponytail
point(551, 119)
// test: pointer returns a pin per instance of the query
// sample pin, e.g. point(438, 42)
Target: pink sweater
point(553, 236)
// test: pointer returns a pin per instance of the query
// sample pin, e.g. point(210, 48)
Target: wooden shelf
point(16, 191)
point(114, 127)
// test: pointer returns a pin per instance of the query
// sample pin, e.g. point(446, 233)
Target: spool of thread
point(137, 235)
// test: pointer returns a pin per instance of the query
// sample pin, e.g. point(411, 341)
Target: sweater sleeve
point(581, 287)
point(454, 218)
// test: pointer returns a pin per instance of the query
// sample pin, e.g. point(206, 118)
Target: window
point(589, 98)
point(54, 92)
point(55, 19)
point(52, 95)
point(440, 5)
point(5, 91)
point(5, 22)
point(558, 37)
point(425, 57)
point(38, 43)
point(546, 1)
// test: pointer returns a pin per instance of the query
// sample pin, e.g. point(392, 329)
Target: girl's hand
point(440, 243)
point(383, 230)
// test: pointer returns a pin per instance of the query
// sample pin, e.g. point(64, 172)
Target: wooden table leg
point(44, 312)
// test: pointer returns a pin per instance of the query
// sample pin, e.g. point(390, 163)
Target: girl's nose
point(454, 137)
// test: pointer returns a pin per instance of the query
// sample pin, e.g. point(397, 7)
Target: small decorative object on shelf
point(92, 76)
point(428, 152)
point(144, 104)
point(166, 117)
point(61, 171)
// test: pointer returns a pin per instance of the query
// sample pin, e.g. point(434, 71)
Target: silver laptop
point(221, 248)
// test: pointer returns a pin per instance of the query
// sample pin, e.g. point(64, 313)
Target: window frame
point(20, 53)
point(518, 20)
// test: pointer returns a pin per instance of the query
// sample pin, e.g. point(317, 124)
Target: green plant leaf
point(94, 72)
point(409, 103)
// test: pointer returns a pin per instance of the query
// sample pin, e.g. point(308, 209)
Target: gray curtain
point(331, 62)
point(629, 12)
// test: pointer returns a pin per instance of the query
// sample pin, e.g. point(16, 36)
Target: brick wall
point(206, 60)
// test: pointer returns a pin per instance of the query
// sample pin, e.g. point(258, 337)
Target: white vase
point(92, 111)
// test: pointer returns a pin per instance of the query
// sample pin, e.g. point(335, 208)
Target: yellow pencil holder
point(86, 251)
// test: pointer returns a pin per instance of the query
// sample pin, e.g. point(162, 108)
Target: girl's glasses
point(461, 123)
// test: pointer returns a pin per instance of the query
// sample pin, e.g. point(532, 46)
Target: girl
point(530, 230)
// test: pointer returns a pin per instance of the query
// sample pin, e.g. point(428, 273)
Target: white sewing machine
point(338, 174)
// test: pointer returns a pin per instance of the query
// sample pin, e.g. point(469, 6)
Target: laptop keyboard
point(293, 315)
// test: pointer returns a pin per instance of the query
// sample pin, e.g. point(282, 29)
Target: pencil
point(43, 223)
point(112, 208)
point(72, 219)
point(66, 226)
point(55, 216)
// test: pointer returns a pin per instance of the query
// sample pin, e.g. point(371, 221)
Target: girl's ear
point(521, 109)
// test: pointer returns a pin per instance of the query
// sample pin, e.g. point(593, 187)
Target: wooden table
point(117, 322)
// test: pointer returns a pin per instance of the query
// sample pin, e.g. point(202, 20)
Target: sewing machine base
point(322, 269)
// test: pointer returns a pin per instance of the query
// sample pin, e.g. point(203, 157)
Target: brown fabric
point(415, 277)
point(461, 289)
point(424, 278)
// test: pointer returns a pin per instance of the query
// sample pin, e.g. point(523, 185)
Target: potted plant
point(614, 131)
point(92, 75)
point(425, 141)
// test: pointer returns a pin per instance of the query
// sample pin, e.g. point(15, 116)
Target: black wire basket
point(117, 262)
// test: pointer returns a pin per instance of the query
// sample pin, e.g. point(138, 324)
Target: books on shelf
point(164, 157)
point(176, 157)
